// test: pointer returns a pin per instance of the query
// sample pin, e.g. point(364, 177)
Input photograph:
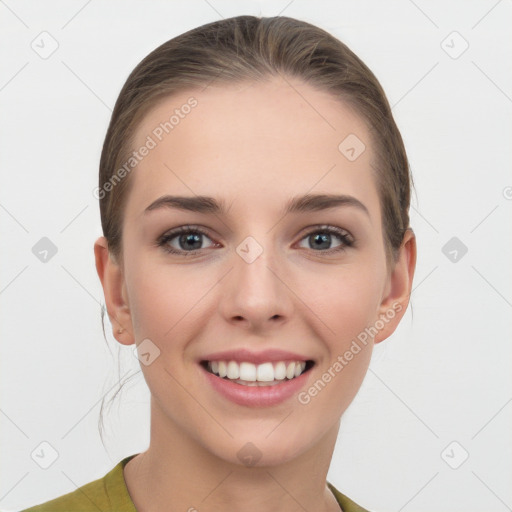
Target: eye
point(184, 240)
point(321, 239)
point(188, 240)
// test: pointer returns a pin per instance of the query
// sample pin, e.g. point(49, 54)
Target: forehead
point(244, 142)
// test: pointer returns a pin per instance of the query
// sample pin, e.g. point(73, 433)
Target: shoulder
point(346, 504)
point(91, 496)
point(108, 494)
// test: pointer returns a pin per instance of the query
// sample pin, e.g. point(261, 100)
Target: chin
point(262, 449)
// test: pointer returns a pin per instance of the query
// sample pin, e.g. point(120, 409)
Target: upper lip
point(241, 355)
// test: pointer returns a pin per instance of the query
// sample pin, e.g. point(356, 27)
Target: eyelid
point(328, 228)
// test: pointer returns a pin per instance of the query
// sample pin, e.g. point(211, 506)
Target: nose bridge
point(256, 293)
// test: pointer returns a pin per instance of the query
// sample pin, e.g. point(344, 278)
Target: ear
point(398, 288)
point(114, 289)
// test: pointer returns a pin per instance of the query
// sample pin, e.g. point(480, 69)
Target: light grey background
point(444, 376)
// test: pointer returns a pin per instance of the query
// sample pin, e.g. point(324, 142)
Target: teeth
point(280, 371)
point(223, 369)
point(233, 370)
point(290, 371)
point(251, 374)
point(247, 371)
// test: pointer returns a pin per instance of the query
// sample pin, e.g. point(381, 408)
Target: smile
point(265, 374)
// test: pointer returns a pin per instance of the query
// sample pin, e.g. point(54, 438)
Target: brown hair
point(246, 48)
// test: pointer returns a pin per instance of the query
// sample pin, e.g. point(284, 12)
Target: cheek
point(154, 304)
point(165, 300)
point(346, 300)
point(347, 304)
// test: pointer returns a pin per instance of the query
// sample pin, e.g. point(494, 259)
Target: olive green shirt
point(110, 494)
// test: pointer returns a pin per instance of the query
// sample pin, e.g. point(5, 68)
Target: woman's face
point(250, 275)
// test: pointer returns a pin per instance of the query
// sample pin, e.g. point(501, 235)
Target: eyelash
point(346, 239)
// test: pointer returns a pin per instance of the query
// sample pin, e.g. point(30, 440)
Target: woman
point(254, 193)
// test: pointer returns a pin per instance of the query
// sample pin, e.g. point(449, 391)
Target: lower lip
point(256, 396)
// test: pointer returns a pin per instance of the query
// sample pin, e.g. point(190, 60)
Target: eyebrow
point(299, 204)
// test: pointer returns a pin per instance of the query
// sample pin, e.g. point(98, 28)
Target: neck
point(177, 473)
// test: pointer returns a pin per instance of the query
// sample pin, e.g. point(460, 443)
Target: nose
point(254, 294)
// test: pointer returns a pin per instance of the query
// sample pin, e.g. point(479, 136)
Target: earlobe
point(398, 291)
point(116, 300)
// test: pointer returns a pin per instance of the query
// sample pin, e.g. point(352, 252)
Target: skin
point(253, 145)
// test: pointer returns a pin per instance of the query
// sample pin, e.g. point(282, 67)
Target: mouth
point(261, 375)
